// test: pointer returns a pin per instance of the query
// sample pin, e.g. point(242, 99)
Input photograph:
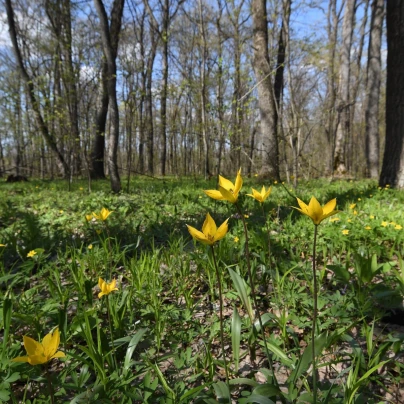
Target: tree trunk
point(204, 51)
point(109, 39)
point(343, 124)
point(393, 160)
point(98, 148)
point(266, 101)
point(374, 72)
point(43, 128)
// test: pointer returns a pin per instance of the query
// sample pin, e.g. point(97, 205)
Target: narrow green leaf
point(241, 287)
point(235, 337)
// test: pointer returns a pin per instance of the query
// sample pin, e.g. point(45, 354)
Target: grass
point(157, 339)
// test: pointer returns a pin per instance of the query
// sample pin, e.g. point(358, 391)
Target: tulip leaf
point(241, 287)
point(235, 337)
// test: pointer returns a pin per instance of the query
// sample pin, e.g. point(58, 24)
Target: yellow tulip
point(41, 352)
point(260, 196)
point(103, 215)
point(315, 211)
point(89, 218)
point(31, 253)
point(227, 190)
point(210, 233)
point(106, 288)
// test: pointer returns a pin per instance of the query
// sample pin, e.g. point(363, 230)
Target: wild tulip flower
point(315, 211)
point(89, 218)
point(31, 253)
point(106, 288)
point(227, 190)
point(210, 233)
point(260, 196)
point(41, 352)
point(103, 215)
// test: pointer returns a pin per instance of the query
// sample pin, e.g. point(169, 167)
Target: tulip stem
point(314, 326)
point(50, 388)
point(219, 283)
point(269, 234)
point(257, 313)
point(112, 335)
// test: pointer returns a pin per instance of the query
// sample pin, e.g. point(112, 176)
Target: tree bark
point(374, 71)
point(43, 128)
point(110, 46)
point(266, 101)
point(393, 161)
point(343, 124)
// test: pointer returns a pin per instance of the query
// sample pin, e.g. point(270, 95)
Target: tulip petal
point(209, 226)
point(51, 342)
point(58, 354)
point(222, 230)
point(101, 283)
point(20, 359)
point(37, 359)
point(239, 182)
point(32, 347)
point(213, 193)
point(228, 195)
point(197, 235)
point(226, 184)
point(302, 205)
point(330, 206)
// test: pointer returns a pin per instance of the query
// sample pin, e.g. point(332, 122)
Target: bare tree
point(108, 37)
point(343, 123)
point(266, 101)
point(393, 161)
point(42, 126)
point(374, 72)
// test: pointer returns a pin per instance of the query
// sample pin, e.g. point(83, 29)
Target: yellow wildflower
point(315, 211)
point(345, 232)
point(227, 190)
point(260, 196)
point(103, 215)
point(31, 253)
point(106, 288)
point(210, 233)
point(41, 352)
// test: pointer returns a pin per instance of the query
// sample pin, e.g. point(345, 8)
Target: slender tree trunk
point(204, 50)
point(332, 31)
point(43, 128)
point(108, 37)
point(98, 146)
point(266, 101)
point(393, 161)
point(374, 72)
point(163, 119)
point(343, 124)
point(220, 104)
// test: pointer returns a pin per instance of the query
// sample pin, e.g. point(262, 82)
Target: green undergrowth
point(157, 338)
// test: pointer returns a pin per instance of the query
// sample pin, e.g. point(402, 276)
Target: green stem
point(269, 234)
point(50, 388)
point(221, 317)
point(257, 313)
point(112, 335)
point(314, 326)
